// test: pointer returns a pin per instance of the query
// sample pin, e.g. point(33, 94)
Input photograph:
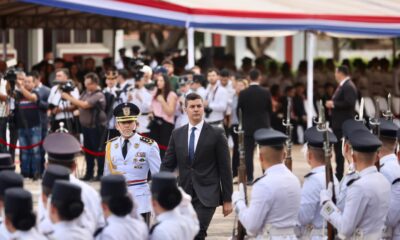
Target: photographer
point(93, 120)
point(27, 114)
point(3, 105)
point(62, 110)
point(216, 101)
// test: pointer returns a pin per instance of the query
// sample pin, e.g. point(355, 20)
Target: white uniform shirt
point(310, 208)
point(365, 208)
point(123, 97)
point(32, 234)
point(66, 230)
point(390, 168)
point(176, 225)
point(275, 201)
point(119, 228)
point(56, 100)
point(142, 98)
point(231, 92)
point(217, 98)
point(143, 155)
point(4, 234)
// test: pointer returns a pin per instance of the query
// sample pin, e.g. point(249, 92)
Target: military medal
point(116, 146)
point(136, 145)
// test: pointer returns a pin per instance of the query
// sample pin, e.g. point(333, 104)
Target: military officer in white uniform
point(368, 197)
point(117, 205)
point(275, 198)
point(390, 168)
point(310, 219)
point(176, 218)
point(142, 98)
point(61, 149)
point(133, 156)
point(348, 127)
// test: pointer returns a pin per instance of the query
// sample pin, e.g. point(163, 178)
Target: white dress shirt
point(142, 99)
point(217, 98)
point(56, 100)
point(123, 228)
point(390, 168)
point(197, 132)
point(275, 201)
point(176, 225)
point(365, 209)
point(4, 234)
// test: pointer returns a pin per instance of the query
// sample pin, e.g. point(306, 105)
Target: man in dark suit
point(256, 105)
point(201, 154)
point(342, 107)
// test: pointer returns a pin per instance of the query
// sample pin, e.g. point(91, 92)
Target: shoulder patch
point(396, 181)
point(309, 174)
point(110, 140)
point(352, 181)
point(258, 179)
point(146, 140)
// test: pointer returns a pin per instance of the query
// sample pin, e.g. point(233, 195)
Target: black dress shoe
point(87, 178)
point(97, 179)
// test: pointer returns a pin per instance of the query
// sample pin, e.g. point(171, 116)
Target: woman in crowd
point(163, 106)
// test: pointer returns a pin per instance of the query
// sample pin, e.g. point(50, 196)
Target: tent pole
point(190, 46)
point(310, 77)
point(394, 48)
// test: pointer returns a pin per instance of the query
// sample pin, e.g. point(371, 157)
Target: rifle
point(241, 231)
point(289, 128)
point(388, 113)
point(375, 123)
point(323, 126)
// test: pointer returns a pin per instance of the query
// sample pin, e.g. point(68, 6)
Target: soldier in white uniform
point(110, 93)
point(117, 205)
point(275, 198)
point(141, 97)
point(19, 217)
point(64, 209)
point(348, 127)
point(310, 219)
point(8, 179)
point(390, 168)
point(61, 149)
point(367, 199)
point(176, 218)
point(133, 156)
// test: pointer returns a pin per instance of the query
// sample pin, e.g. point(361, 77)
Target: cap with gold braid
point(126, 112)
point(111, 74)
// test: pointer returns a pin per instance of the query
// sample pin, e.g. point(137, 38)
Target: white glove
point(326, 194)
point(238, 195)
point(186, 198)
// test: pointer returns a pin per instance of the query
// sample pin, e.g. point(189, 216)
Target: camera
point(11, 77)
point(207, 111)
point(67, 86)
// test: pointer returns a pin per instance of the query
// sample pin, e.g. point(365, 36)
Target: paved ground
point(221, 227)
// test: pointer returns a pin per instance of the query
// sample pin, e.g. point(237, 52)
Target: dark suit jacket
point(344, 101)
point(256, 105)
point(210, 174)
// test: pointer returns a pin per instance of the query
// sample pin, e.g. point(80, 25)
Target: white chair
point(396, 105)
point(369, 107)
point(383, 104)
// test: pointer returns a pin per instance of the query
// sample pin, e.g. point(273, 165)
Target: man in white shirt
point(61, 109)
point(216, 100)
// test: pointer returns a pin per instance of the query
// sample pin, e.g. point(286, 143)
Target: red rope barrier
point(96, 154)
point(2, 141)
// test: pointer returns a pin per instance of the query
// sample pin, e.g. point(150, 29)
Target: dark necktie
point(191, 145)
point(125, 148)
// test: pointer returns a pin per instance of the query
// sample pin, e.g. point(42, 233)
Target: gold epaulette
point(146, 140)
point(110, 140)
